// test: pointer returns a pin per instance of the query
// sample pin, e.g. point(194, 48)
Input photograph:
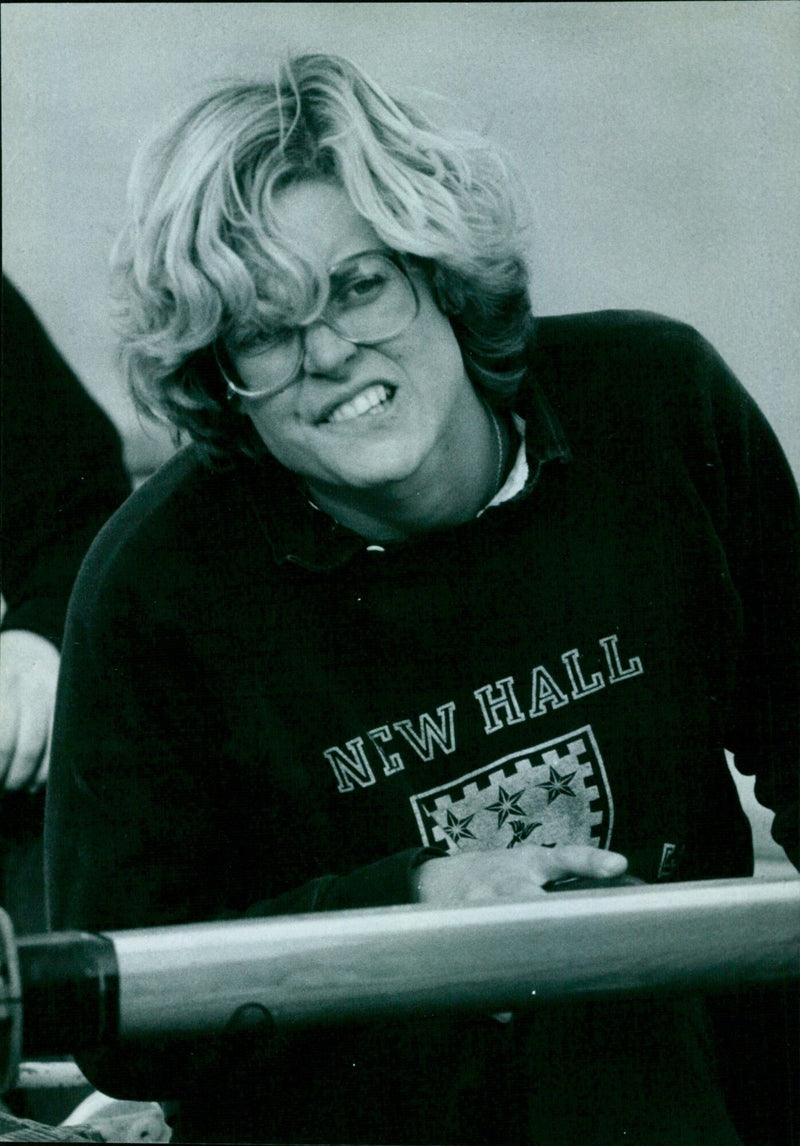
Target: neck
point(442, 494)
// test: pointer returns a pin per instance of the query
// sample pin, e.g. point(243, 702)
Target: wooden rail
point(352, 965)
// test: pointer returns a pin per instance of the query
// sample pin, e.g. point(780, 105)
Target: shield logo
point(553, 793)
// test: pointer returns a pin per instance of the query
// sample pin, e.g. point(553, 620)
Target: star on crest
point(557, 785)
point(506, 805)
point(458, 829)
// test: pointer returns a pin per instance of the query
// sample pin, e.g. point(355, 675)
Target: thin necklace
point(498, 437)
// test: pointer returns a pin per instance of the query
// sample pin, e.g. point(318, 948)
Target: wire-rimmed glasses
point(370, 300)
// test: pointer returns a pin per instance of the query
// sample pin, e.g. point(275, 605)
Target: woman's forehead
point(317, 222)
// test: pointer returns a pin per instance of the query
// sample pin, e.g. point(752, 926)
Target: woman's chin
point(374, 469)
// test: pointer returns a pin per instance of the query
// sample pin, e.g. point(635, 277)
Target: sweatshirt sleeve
point(385, 883)
point(755, 501)
point(63, 474)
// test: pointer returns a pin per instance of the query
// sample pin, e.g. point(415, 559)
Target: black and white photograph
point(400, 635)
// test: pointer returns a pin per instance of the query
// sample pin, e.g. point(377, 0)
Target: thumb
point(587, 862)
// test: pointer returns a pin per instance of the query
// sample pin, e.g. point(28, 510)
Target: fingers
point(27, 762)
point(472, 878)
point(9, 722)
point(574, 859)
point(40, 779)
point(28, 678)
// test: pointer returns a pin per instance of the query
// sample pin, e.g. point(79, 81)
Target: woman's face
point(359, 417)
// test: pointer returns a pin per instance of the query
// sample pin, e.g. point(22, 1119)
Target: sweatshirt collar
point(300, 534)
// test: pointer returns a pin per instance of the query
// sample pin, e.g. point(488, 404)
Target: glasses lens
point(266, 365)
point(370, 299)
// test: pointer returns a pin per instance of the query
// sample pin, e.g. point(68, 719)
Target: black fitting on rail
point(70, 985)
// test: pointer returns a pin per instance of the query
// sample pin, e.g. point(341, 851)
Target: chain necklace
point(498, 437)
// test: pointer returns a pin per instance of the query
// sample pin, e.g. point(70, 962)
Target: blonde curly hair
point(201, 257)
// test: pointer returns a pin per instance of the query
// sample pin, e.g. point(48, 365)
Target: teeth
point(364, 403)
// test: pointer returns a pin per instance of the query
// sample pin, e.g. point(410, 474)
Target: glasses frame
point(234, 391)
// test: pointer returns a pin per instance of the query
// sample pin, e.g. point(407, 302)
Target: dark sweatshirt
point(262, 713)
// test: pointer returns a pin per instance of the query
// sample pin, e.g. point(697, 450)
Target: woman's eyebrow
point(340, 263)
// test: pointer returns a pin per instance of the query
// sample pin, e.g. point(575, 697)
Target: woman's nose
point(324, 351)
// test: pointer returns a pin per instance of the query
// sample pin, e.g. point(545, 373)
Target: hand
point(511, 875)
point(28, 679)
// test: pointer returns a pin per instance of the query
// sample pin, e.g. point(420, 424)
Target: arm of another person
point(63, 476)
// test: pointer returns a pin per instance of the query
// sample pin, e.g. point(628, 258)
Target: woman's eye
point(362, 289)
point(267, 340)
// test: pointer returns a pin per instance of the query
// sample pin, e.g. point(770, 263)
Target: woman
point(441, 604)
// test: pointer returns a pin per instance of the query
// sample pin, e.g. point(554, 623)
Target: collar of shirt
point(303, 535)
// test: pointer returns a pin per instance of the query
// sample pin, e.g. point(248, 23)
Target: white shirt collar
point(515, 482)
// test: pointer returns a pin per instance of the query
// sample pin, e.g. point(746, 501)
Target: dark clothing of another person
point(62, 471)
point(62, 478)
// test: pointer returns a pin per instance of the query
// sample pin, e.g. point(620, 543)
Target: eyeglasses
point(370, 300)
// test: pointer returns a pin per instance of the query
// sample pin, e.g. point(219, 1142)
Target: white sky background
point(659, 143)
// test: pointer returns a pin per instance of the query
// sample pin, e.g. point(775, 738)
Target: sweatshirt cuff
point(385, 883)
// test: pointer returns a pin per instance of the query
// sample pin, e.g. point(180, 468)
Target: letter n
point(354, 766)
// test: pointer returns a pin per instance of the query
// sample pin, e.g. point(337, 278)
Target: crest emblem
point(553, 793)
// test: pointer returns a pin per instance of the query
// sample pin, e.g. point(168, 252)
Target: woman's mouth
point(368, 403)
